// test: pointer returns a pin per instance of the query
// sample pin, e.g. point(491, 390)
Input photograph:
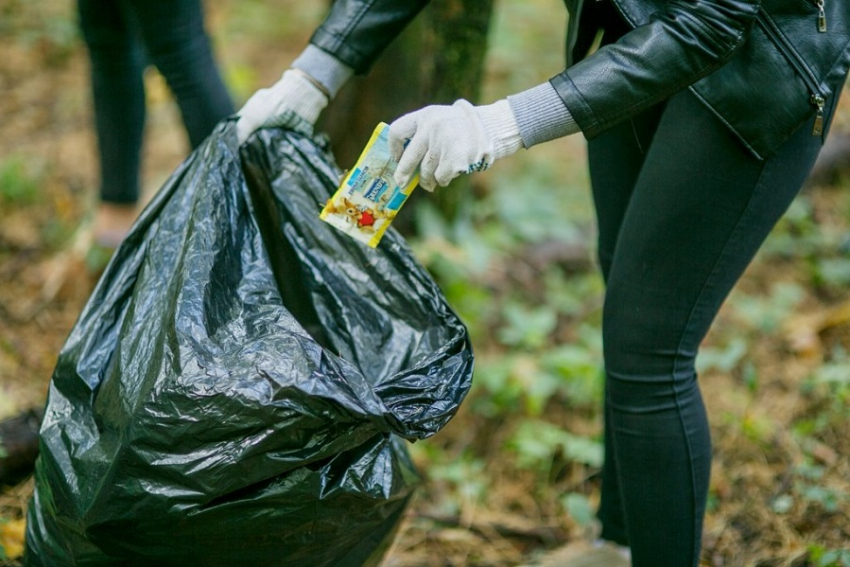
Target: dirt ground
point(46, 274)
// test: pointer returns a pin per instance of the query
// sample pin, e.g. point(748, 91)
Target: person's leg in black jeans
point(122, 36)
point(117, 63)
point(178, 45)
point(615, 160)
point(682, 209)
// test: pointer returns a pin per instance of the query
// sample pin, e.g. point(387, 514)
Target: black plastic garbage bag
point(237, 388)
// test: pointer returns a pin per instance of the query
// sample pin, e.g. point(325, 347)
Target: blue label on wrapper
point(368, 199)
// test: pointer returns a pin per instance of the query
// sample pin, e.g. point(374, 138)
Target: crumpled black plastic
point(237, 388)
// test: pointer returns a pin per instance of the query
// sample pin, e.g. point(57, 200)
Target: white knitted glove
point(445, 141)
point(295, 98)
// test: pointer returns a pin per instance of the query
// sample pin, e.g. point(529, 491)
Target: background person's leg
point(117, 64)
point(177, 43)
point(700, 208)
point(118, 95)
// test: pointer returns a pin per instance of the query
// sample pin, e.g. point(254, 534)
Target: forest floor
point(781, 478)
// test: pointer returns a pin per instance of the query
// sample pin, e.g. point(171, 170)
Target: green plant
point(526, 327)
point(57, 35)
point(578, 506)
point(808, 488)
point(822, 557)
point(537, 442)
point(578, 371)
point(829, 387)
point(465, 481)
point(20, 181)
point(765, 313)
point(797, 233)
point(529, 380)
point(535, 215)
point(723, 359)
point(831, 272)
point(834, 376)
point(574, 295)
point(501, 384)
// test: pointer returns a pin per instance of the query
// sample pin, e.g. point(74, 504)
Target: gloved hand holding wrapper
point(368, 199)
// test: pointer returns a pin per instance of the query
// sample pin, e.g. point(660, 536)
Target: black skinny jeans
point(682, 209)
point(122, 37)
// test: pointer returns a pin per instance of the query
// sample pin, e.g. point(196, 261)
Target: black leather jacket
point(763, 66)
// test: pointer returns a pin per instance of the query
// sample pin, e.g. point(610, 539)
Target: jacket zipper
point(821, 16)
point(817, 98)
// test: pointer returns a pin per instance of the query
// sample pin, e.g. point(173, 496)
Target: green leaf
point(822, 557)
point(536, 443)
point(724, 359)
point(535, 215)
point(782, 504)
point(833, 373)
point(526, 327)
point(833, 271)
point(467, 479)
point(827, 498)
point(578, 507)
point(573, 294)
point(503, 392)
point(579, 372)
point(766, 314)
point(20, 181)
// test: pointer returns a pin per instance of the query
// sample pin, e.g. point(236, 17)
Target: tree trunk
point(438, 59)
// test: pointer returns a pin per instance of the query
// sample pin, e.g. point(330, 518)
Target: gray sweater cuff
point(323, 67)
point(541, 115)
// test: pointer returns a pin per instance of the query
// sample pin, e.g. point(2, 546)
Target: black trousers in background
point(122, 37)
point(682, 209)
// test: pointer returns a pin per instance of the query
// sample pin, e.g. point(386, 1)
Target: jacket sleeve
point(672, 49)
point(357, 31)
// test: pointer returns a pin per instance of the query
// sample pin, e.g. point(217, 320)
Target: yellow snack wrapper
point(368, 199)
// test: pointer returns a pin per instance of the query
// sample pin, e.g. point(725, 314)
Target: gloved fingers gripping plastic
point(294, 102)
point(236, 389)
